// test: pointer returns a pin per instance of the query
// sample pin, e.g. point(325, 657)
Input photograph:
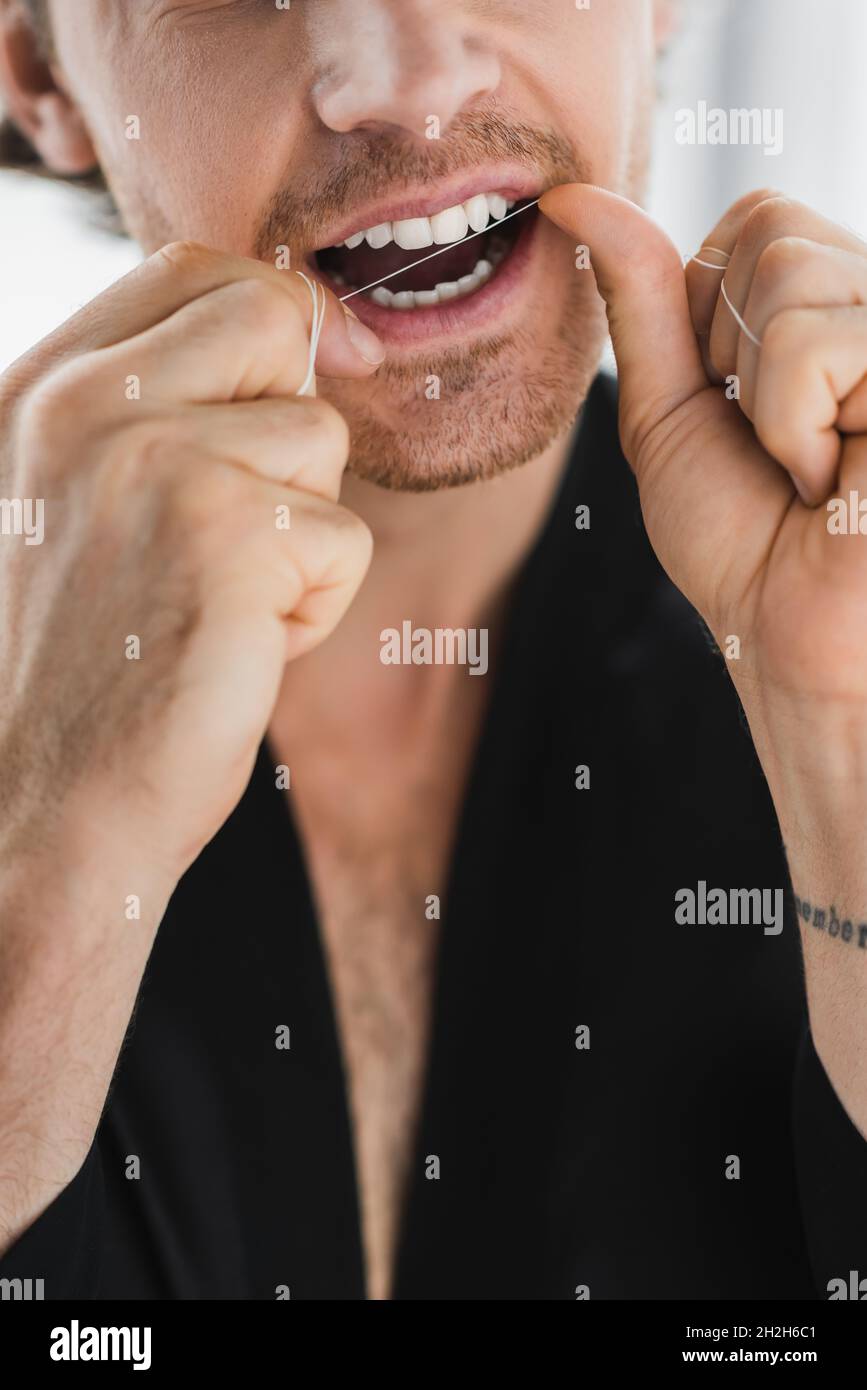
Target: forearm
point(819, 787)
point(71, 962)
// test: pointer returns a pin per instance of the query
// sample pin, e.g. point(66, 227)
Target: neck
point(441, 560)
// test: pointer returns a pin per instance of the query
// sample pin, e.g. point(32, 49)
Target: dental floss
point(708, 265)
point(725, 294)
point(319, 305)
point(318, 296)
point(451, 246)
point(743, 327)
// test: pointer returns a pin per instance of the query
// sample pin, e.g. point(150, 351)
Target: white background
point(804, 56)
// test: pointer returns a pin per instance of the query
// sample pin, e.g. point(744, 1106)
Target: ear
point(34, 99)
point(666, 15)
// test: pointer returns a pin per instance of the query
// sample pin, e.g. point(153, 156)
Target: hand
point(162, 429)
point(735, 488)
point(720, 478)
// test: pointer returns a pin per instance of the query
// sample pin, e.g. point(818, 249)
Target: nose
point(412, 64)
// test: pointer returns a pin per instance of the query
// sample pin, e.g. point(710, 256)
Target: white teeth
point(426, 299)
point(379, 236)
point(478, 212)
point(413, 234)
point(450, 225)
point(442, 229)
point(416, 233)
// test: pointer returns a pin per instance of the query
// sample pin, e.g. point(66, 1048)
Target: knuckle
point(265, 305)
point(329, 425)
point(773, 433)
point(749, 201)
point(787, 335)
point(204, 497)
point(784, 259)
point(50, 407)
point(139, 451)
point(186, 257)
point(355, 535)
point(136, 467)
point(767, 219)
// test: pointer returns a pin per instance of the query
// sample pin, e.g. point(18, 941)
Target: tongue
point(364, 265)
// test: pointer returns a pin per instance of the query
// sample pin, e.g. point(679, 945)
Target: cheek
point(591, 73)
point(216, 136)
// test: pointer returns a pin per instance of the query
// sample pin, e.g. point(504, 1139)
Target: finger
point(852, 478)
point(307, 574)
point(702, 282)
point(241, 341)
point(641, 278)
point(339, 546)
point(795, 274)
point(185, 271)
point(853, 412)
point(768, 222)
point(302, 443)
point(811, 361)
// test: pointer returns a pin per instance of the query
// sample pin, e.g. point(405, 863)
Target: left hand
point(720, 478)
point(734, 494)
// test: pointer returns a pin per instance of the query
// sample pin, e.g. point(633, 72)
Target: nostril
point(422, 93)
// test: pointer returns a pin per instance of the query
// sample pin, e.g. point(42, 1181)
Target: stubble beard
point(466, 415)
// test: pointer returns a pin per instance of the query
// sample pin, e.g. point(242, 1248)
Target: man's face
point(300, 126)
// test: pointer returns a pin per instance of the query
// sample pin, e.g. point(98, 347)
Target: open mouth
point(428, 262)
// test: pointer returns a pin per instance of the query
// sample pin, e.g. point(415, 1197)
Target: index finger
point(182, 272)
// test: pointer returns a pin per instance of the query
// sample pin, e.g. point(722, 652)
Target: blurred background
point(803, 57)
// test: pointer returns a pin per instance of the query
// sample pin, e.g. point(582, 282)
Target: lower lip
point(474, 312)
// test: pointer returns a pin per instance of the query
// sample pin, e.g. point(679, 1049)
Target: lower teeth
point(441, 294)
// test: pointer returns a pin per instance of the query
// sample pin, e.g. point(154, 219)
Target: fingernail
point(363, 339)
point(801, 491)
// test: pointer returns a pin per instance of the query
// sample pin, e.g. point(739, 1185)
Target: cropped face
point(356, 137)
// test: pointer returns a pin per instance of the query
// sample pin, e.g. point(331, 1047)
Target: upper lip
point(510, 181)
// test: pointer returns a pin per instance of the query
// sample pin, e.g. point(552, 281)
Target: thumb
point(639, 274)
point(346, 347)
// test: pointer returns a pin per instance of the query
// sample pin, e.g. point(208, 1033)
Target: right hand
point(161, 525)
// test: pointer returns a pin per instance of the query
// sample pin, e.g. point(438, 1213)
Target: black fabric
point(559, 1166)
point(832, 1170)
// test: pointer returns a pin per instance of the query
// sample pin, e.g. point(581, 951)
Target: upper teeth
point(415, 233)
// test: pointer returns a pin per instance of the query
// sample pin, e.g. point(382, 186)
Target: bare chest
point(377, 874)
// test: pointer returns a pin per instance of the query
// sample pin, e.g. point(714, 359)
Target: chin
point(466, 415)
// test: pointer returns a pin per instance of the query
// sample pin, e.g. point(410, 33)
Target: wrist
point(76, 863)
point(814, 755)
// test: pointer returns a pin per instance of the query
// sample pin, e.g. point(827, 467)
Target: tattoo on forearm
point(828, 920)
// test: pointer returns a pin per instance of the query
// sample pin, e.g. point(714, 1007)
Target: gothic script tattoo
point(828, 920)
